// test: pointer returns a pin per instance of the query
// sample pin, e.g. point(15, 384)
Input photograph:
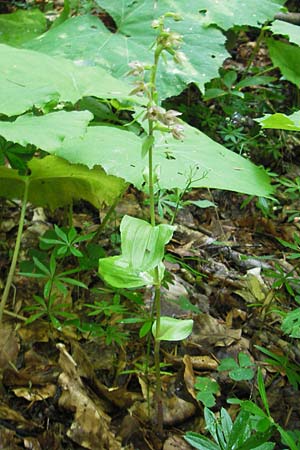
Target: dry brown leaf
point(90, 427)
point(204, 362)
point(9, 348)
point(189, 377)
point(176, 443)
point(35, 394)
point(209, 332)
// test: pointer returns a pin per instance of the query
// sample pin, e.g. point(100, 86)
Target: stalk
point(16, 250)
point(157, 303)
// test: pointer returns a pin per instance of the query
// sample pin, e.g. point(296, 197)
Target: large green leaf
point(286, 57)
point(172, 329)
point(287, 29)
point(21, 26)
point(29, 78)
point(197, 156)
point(46, 132)
point(55, 182)
point(142, 247)
point(227, 13)
point(280, 121)
point(86, 38)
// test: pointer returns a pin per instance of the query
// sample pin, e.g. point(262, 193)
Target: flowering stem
point(157, 305)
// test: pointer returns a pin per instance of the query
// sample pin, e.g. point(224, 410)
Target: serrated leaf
point(30, 78)
point(173, 329)
point(229, 13)
point(54, 182)
point(135, 34)
point(286, 29)
point(46, 132)
point(21, 26)
point(280, 121)
point(197, 156)
point(286, 57)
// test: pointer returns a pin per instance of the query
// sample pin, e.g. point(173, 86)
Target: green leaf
point(227, 364)
point(142, 247)
point(286, 57)
point(200, 442)
point(286, 29)
point(197, 156)
point(227, 14)
point(54, 182)
point(254, 81)
point(142, 244)
point(280, 121)
point(241, 374)
point(30, 79)
point(240, 430)
point(134, 35)
point(46, 132)
point(172, 329)
point(291, 323)
point(262, 391)
point(21, 26)
point(207, 388)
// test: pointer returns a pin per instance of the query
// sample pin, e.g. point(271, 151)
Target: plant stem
point(16, 250)
point(158, 394)
point(256, 49)
point(157, 305)
point(107, 217)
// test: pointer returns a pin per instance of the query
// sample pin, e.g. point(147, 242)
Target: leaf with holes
point(46, 132)
point(31, 78)
point(86, 40)
point(197, 156)
point(229, 13)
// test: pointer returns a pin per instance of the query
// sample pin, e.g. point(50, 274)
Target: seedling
point(238, 371)
point(207, 389)
point(51, 308)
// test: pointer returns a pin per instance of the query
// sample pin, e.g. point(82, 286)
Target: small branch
point(290, 17)
point(14, 260)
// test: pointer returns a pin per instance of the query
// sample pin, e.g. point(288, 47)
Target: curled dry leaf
point(9, 348)
point(90, 427)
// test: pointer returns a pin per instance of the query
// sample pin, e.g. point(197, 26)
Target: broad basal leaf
point(287, 29)
point(280, 121)
point(21, 26)
point(208, 163)
point(87, 40)
point(46, 132)
point(173, 329)
point(55, 182)
point(142, 247)
point(228, 13)
point(286, 57)
point(29, 78)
